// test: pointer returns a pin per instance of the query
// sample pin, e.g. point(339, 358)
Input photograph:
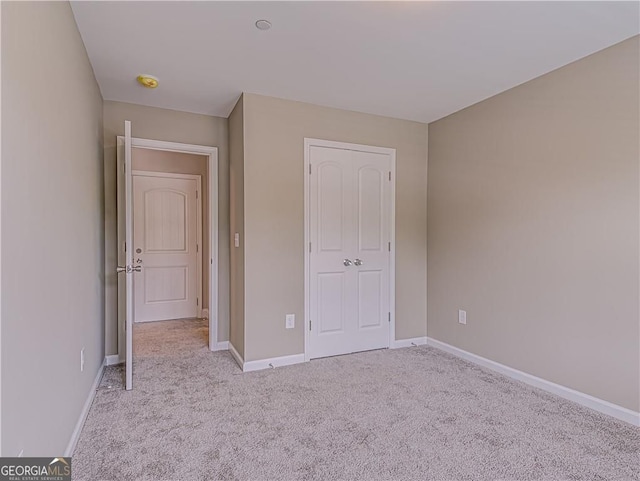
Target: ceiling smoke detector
point(263, 24)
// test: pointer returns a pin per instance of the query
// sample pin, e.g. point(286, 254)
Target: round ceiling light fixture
point(148, 81)
point(263, 24)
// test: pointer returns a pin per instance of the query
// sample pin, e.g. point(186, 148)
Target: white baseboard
point(222, 346)
point(263, 363)
point(205, 313)
point(236, 356)
point(75, 435)
point(414, 341)
point(600, 405)
point(273, 362)
point(113, 360)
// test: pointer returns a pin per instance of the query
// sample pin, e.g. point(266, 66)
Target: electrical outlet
point(82, 359)
point(462, 316)
point(290, 321)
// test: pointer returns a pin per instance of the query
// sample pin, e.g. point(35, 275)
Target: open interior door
point(126, 268)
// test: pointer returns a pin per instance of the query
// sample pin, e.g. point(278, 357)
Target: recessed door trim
point(211, 153)
point(198, 179)
point(308, 144)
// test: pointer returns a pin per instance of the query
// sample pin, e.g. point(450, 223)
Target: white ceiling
point(411, 60)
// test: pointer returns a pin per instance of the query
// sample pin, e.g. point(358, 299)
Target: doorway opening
point(168, 242)
point(170, 235)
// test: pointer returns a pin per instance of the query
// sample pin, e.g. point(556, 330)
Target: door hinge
point(389, 246)
point(309, 324)
point(197, 248)
point(197, 301)
point(309, 168)
point(389, 176)
point(389, 317)
point(124, 246)
point(309, 246)
point(196, 194)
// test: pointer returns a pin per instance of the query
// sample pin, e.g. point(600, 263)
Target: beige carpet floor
point(406, 414)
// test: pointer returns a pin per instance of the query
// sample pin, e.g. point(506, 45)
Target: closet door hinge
point(309, 324)
point(389, 317)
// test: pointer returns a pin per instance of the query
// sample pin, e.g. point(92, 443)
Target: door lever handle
point(347, 262)
point(358, 262)
point(128, 269)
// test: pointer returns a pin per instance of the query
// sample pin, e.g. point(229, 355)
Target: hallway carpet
point(406, 414)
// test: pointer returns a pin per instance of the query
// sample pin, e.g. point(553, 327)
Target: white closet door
point(371, 254)
point(349, 260)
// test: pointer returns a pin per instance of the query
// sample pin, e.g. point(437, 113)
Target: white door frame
point(211, 154)
point(308, 143)
point(198, 179)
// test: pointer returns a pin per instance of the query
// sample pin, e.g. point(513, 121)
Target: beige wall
point(274, 132)
point(172, 126)
point(236, 203)
point(533, 226)
point(181, 163)
point(52, 227)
